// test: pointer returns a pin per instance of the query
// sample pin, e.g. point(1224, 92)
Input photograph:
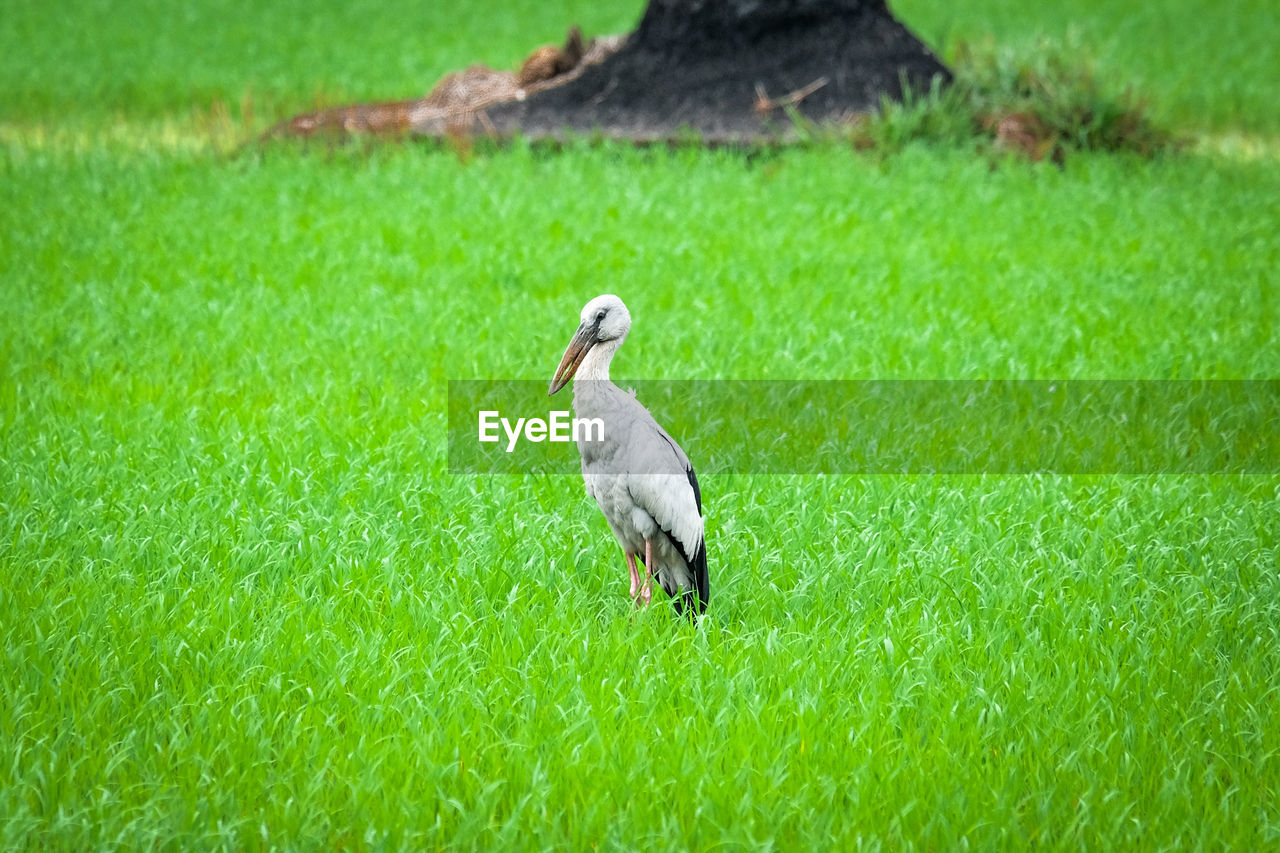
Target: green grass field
point(245, 604)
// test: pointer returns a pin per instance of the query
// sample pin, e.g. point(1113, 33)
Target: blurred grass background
point(1208, 69)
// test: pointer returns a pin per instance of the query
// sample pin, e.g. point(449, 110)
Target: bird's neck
point(595, 366)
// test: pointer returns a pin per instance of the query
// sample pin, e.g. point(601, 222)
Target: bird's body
point(636, 472)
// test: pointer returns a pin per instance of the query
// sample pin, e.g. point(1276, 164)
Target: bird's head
point(605, 320)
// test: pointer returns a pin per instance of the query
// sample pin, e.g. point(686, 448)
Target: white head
point(605, 322)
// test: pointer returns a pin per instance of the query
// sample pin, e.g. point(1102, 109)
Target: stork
point(638, 475)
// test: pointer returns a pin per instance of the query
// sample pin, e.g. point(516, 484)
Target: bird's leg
point(635, 575)
point(646, 591)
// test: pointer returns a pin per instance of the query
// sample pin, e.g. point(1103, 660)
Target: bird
point(642, 480)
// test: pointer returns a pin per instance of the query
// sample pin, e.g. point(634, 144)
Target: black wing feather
point(698, 562)
point(697, 492)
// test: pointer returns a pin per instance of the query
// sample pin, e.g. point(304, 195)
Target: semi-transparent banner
point(890, 426)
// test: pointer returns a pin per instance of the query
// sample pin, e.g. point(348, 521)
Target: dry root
point(457, 103)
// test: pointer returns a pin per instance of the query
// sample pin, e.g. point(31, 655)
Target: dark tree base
point(726, 70)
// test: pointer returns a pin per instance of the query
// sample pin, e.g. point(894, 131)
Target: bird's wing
point(675, 503)
point(661, 482)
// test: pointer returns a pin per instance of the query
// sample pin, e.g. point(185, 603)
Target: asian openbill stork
point(638, 475)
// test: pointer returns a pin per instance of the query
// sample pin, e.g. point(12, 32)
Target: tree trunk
point(731, 70)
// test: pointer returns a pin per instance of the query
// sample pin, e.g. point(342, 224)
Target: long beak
point(583, 341)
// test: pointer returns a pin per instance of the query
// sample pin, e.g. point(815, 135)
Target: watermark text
point(559, 426)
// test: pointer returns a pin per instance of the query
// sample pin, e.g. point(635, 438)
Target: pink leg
point(646, 591)
point(635, 575)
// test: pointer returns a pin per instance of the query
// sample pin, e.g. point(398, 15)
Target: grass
point(1209, 73)
point(1040, 103)
point(246, 605)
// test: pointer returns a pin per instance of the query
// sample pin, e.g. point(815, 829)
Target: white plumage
point(639, 476)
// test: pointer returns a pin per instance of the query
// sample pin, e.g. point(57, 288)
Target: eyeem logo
point(558, 427)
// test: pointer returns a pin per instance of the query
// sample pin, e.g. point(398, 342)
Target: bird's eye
point(600, 316)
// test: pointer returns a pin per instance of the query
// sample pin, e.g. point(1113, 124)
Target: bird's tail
point(694, 601)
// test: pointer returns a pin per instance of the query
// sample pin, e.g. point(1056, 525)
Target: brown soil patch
point(727, 72)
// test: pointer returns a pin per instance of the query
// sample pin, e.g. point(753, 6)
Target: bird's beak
point(583, 340)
